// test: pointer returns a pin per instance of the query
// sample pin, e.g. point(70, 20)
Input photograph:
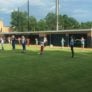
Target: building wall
point(3, 28)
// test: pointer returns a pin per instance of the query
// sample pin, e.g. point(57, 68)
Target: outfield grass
point(55, 71)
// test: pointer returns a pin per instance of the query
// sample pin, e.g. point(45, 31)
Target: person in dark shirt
point(13, 42)
point(72, 46)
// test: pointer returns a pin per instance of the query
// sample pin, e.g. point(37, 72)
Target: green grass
point(54, 71)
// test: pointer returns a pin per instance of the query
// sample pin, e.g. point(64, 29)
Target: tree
point(19, 21)
point(70, 23)
point(86, 25)
point(51, 21)
point(41, 25)
point(74, 23)
point(61, 22)
point(32, 23)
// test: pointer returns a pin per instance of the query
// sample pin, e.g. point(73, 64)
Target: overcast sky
point(79, 9)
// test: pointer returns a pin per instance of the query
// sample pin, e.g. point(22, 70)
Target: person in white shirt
point(62, 42)
point(82, 42)
point(45, 41)
point(2, 43)
point(23, 42)
point(36, 41)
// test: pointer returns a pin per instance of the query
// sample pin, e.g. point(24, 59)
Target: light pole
point(18, 22)
point(57, 15)
point(28, 14)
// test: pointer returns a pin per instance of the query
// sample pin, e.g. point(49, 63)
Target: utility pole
point(18, 22)
point(57, 15)
point(28, 14)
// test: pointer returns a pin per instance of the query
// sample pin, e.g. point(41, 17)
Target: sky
point(78, 9)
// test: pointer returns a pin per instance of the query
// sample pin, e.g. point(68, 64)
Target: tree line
point(20, 21)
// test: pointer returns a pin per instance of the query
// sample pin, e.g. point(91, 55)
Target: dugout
point(54, 37)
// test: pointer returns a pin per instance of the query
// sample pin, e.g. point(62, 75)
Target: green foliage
point(42, 25)
point(70, 23)
point(86, 25)
point(32, 23)
point(51, 21)
point(61, 22)
point(20, 22)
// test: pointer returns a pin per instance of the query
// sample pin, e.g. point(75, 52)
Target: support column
point(67, 39)
point(89, 39)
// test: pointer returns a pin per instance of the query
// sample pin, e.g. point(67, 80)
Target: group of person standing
point(43, 42)
point(72, 43)
point(12, 41)
point(82, 41)
point(23, 41)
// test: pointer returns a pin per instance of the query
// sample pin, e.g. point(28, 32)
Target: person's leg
point(72, 50)
point(12, 46)
point(83, 45)
point(2, 46)
point(41, 51)
point(24, 47)
point(62, 45)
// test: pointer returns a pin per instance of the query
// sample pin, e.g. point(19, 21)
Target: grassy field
point(55, 71)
